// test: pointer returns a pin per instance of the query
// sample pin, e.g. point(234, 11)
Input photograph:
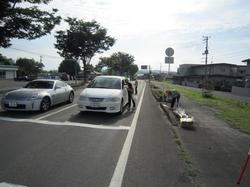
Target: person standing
point(136, 85)
point(130, 90)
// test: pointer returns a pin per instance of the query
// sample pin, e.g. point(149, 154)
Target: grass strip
point(235, 112)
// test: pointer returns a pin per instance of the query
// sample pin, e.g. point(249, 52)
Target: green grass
point(237, 113)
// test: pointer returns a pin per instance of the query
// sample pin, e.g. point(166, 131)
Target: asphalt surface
point(217, 149)
point(64, 147)
point(154, 158)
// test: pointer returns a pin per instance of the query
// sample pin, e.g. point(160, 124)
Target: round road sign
point(169, 51)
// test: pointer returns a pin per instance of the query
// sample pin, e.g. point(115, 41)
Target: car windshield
point(105, 82)
point(40, 84)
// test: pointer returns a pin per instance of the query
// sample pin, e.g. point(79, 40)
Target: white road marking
point(117, 178)
point(5, 184)
point(58, 111)
point(67, 123)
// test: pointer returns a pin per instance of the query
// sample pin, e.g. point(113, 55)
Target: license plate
point(95, 105)
point(12, 104)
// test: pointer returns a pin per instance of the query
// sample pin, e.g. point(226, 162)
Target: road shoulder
point(154, 159)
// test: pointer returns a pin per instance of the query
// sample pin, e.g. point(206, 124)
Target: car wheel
point(45, 104)
point(71, 97)
point(121, 107)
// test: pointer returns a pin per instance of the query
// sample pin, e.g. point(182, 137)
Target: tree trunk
point(84, 71)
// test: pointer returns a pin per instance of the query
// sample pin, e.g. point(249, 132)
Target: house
point(247, 75)
point(8, 72)
point(244, 88)
point(220, 76)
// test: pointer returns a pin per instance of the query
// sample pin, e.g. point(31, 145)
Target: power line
point(34, 53)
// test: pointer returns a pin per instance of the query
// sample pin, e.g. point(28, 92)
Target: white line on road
point(67, 123)
point(53, 113)
point(117, 178)
point(5, 184)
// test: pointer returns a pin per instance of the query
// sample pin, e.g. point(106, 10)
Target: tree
point(28, 66)
point(82, 41)
point(69, 66)
point(24, 22)
point(119, 64)
point(6, 61)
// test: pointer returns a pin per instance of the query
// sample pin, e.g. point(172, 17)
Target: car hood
point(23, 93)
point(101, 93)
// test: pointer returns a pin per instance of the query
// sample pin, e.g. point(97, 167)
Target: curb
point(170, 115)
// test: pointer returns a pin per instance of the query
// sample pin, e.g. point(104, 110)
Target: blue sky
point(145, 28)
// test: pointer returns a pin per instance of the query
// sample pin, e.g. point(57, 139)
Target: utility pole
point(205, 38)
point(149, 74)
point(41, 59)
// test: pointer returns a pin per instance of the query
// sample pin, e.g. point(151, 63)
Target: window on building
point(2, 74)
point(223, 69)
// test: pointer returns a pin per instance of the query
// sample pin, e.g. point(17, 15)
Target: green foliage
point(21, 22)
point(82, 40)
point(237, 113)
point(6, 61)
point(118, 64)
point(69, 66)
point(28, 66)
point(159, 93)
point(223, 85)
point(207, 93)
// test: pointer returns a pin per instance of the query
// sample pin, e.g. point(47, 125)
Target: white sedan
point(104, 94)
point(39, 94)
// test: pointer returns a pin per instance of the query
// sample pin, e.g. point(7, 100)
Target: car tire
point(45, 104)
point(121, 108)
point(71, 97)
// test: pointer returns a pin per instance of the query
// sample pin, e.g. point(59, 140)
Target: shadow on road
point(31, 114)
point(100, 118)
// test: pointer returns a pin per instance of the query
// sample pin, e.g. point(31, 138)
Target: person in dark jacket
point(175, 98)
point(130, 90)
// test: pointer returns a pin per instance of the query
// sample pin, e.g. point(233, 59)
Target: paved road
point(66, 148)
point(63, 147)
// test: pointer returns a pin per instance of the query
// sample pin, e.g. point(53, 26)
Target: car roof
point(45, 80)
point(111, 76)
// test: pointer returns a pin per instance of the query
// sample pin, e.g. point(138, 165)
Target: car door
point(59, 93)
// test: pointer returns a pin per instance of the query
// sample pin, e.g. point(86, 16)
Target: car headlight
point(35, 96)
point(83, 98)
point(112, 99)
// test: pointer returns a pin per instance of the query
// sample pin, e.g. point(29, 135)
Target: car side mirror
point(56, 87)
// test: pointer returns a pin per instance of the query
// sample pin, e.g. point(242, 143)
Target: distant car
point(38, 95)
point(104, 94)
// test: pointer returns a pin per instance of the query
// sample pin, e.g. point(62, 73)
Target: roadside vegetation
point(237, 113)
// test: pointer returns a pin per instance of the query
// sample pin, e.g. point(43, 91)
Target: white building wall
point(10, 75)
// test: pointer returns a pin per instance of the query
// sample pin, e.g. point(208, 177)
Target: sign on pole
point(169, 51)
point(169, 60)
point(144, 67)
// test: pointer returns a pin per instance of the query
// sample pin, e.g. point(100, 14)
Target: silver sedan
point(37, 95)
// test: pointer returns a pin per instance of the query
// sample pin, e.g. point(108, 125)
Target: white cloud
point(145, 28)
